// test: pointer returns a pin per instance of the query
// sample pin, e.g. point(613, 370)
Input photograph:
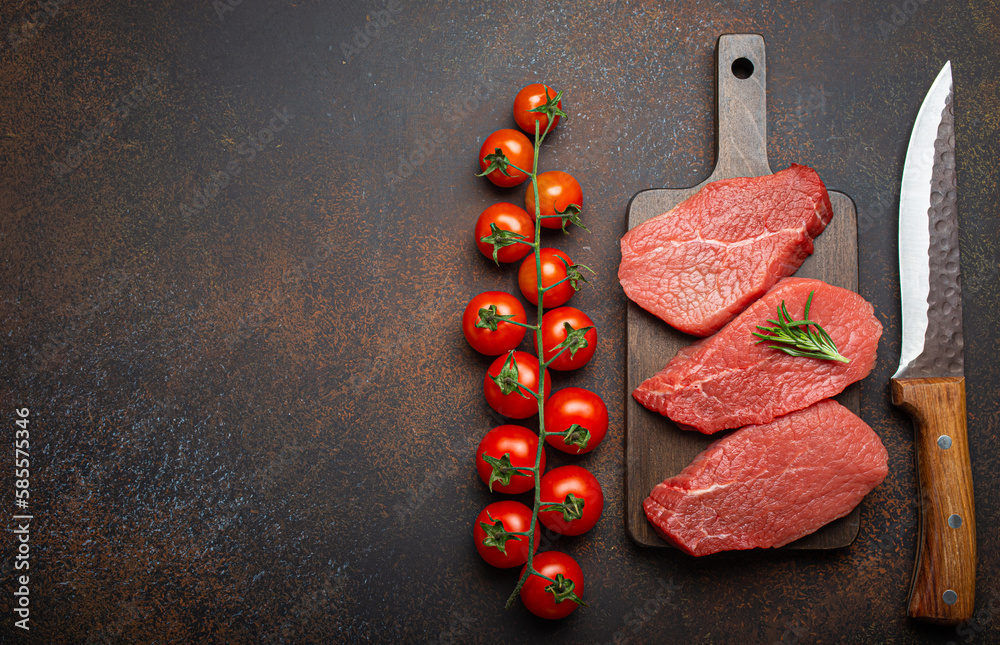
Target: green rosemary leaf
point(795, 338)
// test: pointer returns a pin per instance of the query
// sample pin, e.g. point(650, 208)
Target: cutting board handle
point(741, 111)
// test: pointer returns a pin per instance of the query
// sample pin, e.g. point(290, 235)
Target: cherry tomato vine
point(517, 383)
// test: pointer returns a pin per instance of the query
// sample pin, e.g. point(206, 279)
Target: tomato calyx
point(497, 160)
point(500, 238)
point(508, 158)
point(508, 378)
point(562, 589)
point(569, 216)
point(497, 534)
point(489, 318)
point(576, 435)
point(573, 276)
point(503, 470)
point(551, 106)
point(571, 507)
point(575, 340)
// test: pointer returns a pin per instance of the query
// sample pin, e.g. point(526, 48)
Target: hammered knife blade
point(930, 382)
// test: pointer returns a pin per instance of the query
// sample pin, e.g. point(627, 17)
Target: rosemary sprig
point(796, 339)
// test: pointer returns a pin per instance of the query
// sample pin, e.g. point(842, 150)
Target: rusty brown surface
point(253, 417)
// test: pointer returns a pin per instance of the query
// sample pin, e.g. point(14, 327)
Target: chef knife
point(930, 382)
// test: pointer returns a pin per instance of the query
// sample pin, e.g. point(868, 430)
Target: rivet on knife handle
point(944, 576)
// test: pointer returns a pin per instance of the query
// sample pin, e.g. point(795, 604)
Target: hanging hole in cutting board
point(742, 68)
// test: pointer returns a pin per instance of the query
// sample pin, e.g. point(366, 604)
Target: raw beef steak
point(767, 485)
point(704, 261)
point(729, 380)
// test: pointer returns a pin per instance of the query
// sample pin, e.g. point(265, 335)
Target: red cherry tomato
point(553, 270)
point(518, 150)
point(556, 191)
point(522, 445)
point(575, 405)
point(508, 217)
point(557, 484)
point(529, 98)
point(514, 517)
point(554, 332)
point(506, 336)
point(518, 404)
point(542, 603)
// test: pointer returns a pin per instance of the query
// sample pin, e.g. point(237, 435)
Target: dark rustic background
point(253, 411)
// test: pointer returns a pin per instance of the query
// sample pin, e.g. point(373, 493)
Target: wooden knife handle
point(944, 576)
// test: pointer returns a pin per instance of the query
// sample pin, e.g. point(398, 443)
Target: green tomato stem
point(528, 389)
point(511, 165)
point(542, 575)
point(520, 324)
point(529, 570)
point(553, 285)
point(545, 365)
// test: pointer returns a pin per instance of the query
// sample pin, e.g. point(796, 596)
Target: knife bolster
point(946, 545)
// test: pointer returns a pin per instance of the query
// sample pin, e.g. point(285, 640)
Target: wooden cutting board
point(655, 448)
